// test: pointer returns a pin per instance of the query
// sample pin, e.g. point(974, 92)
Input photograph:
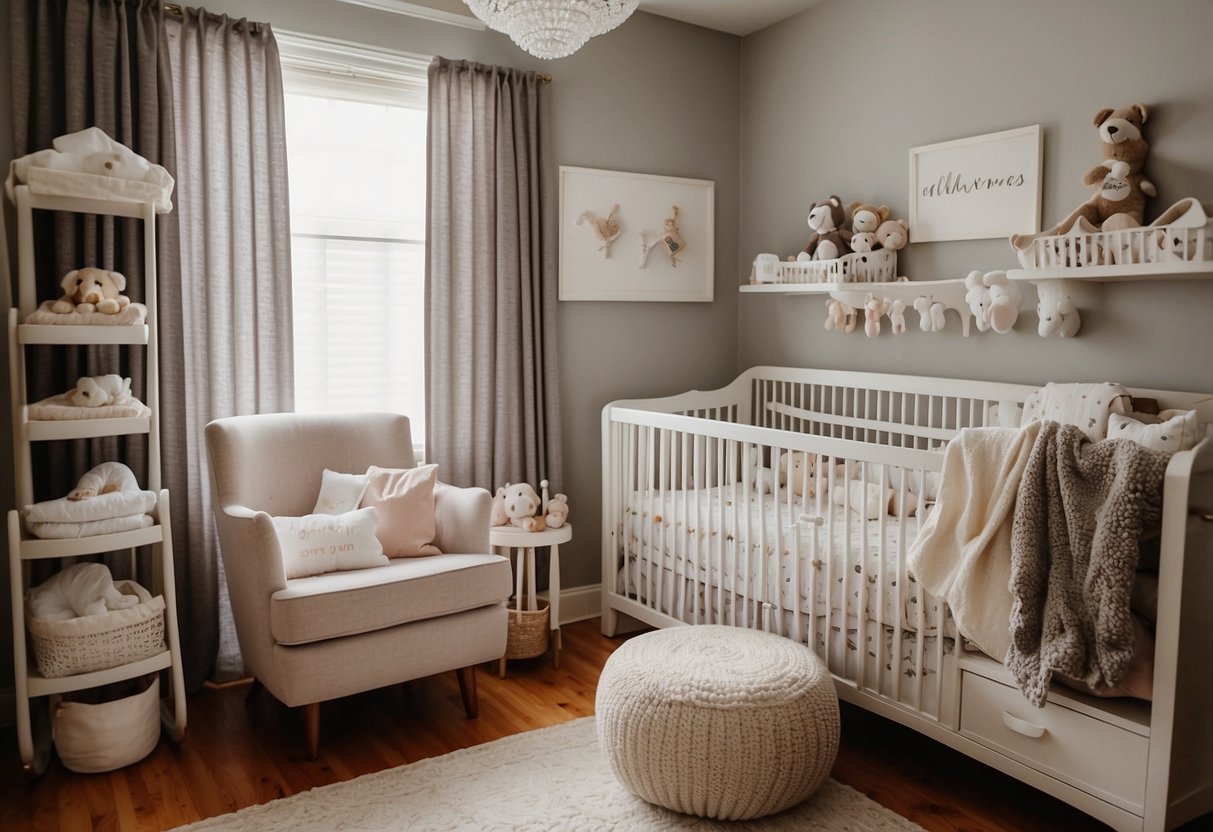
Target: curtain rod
point(174, 8)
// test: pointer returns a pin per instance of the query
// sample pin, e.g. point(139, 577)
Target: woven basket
point(97, 642)
point(528, 632)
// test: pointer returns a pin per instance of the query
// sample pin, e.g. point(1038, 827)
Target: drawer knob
point(1022, 726)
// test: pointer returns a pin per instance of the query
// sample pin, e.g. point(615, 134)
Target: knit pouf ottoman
point(717, 721)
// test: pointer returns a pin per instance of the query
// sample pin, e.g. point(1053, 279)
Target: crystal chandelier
point(552, 28)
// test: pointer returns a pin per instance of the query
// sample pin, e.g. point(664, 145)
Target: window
point(355, 134)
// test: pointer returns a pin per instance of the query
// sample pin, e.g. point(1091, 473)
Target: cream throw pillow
point(339, 493)
point(320, 543)
point(1086, 406)
point(1179, 430)
point(405, 499)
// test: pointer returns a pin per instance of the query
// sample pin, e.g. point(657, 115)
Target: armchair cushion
point(319, 543)
point(407, 589)
point(405, 499)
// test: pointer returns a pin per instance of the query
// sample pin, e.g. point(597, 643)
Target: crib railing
point(712, 522)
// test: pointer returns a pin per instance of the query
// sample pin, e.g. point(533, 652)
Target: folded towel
point(962, 555)
point(135, 313)
point(89, 163)
point(60, 408)
point(68, 531)
point(101, 507)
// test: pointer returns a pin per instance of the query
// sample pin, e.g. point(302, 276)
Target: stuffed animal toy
point(874, 309)
point(104, 479)
point(1003, 309)
point(606, 229)
point(841, 317)
point(977, 296)
point(1057, 313)
point(92, 290)
point(1123, 187)
point(670, 239)
point(761, 477)
point(96, 391)
point(829, 239)
point(498, 516)
point(557, 513)
point(803, 469)
point(930, 314)
point(897, 317)
point(521, 505)
point(867, 218)
point(864, 241)
point(893, 234)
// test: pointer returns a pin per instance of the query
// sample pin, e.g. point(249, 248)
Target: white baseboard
point(578, 603)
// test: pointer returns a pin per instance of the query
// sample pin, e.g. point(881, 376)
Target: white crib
point(691, 537)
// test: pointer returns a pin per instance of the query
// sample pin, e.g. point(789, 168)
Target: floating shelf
point(81, 334)
point(1126, 273)
point(811, 288)
point(87, 205)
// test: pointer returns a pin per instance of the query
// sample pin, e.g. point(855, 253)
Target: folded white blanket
point(68, 531)
point(101, 507)
point(962, 555)
point(89, 163)
point(135, 313)
point(60, 408)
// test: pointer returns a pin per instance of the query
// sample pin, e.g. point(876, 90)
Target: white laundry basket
point(96, 642)
point(108, 735)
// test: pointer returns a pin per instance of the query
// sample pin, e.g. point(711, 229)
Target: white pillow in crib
point(1179, 430)
point(339, 493)
point(320, 543)
point(1086, 406)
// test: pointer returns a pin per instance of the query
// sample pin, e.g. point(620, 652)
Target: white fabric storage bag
point(109, 735)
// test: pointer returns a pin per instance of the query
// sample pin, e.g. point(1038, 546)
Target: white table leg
point(520, 562)
point(532, 602)
point(554, 601)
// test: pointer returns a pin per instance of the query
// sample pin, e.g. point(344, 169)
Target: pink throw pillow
point(405, 499)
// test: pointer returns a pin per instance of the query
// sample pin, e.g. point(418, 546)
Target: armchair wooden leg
point(311, 729)
point(467, 690)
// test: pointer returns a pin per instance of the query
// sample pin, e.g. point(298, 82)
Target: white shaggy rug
point(551, 779)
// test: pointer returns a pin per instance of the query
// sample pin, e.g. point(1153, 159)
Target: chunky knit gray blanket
point(1079, 514)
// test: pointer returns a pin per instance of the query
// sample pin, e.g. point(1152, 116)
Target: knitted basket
point(528, 631)
point(97, 642)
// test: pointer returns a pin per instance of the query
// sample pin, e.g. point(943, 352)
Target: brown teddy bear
point(829, 239)
point(92, 290)
point(1123, 187)
point(867, 218)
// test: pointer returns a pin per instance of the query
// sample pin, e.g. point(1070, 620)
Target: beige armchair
point(313, 639)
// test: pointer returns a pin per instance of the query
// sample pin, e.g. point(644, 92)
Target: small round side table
point(522, 544)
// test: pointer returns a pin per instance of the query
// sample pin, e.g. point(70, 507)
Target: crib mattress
point(728, 543)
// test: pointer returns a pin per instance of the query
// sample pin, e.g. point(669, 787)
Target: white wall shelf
point(35, 548)
point(1128, 273)
point(40, 686)
point(39, 430)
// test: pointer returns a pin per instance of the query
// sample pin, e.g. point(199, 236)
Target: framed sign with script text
point(976, 188)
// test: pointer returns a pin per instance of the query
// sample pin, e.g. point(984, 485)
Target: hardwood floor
point(237, 754)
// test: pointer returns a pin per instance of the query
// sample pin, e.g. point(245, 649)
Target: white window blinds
point(356, 131)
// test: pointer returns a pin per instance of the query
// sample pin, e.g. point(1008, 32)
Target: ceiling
point(737, 17)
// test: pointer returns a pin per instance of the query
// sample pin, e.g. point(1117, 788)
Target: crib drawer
point(1102, 759)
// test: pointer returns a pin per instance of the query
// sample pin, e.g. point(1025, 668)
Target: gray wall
point(833, 99)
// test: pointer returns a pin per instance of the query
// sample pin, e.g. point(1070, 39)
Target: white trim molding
point(421, 12)
point(579, 603)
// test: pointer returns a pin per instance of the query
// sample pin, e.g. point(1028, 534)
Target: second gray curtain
point(491, 397)
point(230, 313)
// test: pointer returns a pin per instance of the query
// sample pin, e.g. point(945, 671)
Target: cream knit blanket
point(1079, 515)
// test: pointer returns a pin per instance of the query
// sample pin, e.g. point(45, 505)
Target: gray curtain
point(229, 314)
point(492, 410)
point(75, 64)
